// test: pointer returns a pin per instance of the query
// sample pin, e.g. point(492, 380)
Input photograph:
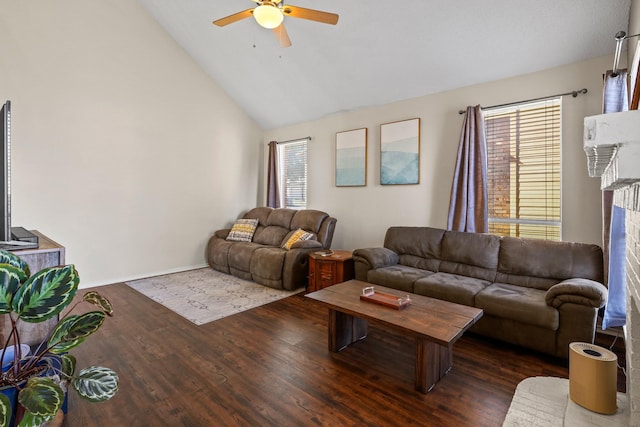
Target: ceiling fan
point(270, 14)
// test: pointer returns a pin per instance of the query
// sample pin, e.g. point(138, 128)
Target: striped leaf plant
point(40, 379)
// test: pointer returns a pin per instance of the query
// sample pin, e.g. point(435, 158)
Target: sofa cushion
point(419, 262)
point(242, 230)
point(525, 305)
point(526, 281)
point(240, 254)
point(541, 263)
point(276, 227)
point(422, 242)
point(450, 287)
point(281, 217)
point(470, 254)
point(308, 219)
point(294, 237)
point(266, 266)
point(398, 277)
point(271, 235)
point(261, 214)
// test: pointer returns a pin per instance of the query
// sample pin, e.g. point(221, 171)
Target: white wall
point(634, 28)
point(365, 213)
point(124, 150)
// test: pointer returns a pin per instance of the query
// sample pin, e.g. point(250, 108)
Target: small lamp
point(268, 16)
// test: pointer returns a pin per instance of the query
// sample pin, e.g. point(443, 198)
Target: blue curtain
point(615, 313)
point(615, 99)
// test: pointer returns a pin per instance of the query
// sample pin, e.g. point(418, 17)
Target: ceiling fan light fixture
point(268, 16)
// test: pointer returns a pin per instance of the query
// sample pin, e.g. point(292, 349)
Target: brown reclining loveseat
point(263, 259)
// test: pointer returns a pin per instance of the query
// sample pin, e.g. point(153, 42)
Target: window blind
point(524, 169)
point(293, 174)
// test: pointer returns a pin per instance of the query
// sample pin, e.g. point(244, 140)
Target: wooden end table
point(328, 270)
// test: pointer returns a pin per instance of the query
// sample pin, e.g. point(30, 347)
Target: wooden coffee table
point(436, 325)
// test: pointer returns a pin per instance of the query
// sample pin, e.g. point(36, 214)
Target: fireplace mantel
point(612, 145)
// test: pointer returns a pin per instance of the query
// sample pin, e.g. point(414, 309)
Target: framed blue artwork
point(400, 152)
point(351, 158)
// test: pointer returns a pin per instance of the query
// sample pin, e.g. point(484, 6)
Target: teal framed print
point(351, 158)
point(400, 152)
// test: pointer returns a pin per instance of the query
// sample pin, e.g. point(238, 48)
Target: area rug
point(204, 295)
point(545, 402)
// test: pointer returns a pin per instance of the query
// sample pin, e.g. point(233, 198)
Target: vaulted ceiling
point(383, 51)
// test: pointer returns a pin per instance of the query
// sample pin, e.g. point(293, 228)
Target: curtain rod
point(620, 37)
point(574, 94)
point(308, 138)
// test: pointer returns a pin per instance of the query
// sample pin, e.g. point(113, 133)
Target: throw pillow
point(296, 236)
point(242, 230)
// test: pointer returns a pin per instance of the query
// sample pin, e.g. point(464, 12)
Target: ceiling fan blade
point(233, 18)
point(311, 14)
point(282, 36)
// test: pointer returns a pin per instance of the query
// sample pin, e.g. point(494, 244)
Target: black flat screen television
point(11, 238)
point(5, 176)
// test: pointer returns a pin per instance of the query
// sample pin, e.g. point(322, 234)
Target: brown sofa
point(263, 260)
point(534, 293)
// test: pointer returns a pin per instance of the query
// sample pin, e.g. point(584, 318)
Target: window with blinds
point(293, 174)
point(524, 168)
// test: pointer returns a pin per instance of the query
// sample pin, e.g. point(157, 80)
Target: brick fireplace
point(612, 145)
point(630, 200)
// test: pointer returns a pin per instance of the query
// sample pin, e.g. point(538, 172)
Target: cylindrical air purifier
point(593, 377)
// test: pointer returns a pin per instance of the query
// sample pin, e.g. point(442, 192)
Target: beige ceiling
point(384, 51)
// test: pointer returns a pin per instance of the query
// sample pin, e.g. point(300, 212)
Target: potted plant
point(39, 380)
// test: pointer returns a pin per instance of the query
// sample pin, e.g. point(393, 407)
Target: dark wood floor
point(270, 367)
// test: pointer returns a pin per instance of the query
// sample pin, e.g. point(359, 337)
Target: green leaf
point(96, 299)
point(57, 340)
point(46, 293)
point(73, 330)
point(10, 279)
point(96, 383)
point(64, 347)
point(41, 397)
point(5, 410)
point(31, 420)
point(7, 257)
point(68, 362)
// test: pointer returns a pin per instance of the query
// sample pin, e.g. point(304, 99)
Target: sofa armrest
point(368, 259)
point(306, 244)
point(375, 257)
point(296, 263)
point(577, 291)
point(222, 234)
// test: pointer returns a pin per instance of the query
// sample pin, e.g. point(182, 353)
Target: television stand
point(48, 254)
point(21, 238)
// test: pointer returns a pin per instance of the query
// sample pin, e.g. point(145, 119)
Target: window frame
point(293, 147)
point(539, 214)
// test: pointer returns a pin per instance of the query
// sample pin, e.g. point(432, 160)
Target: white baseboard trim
point(149, 274)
